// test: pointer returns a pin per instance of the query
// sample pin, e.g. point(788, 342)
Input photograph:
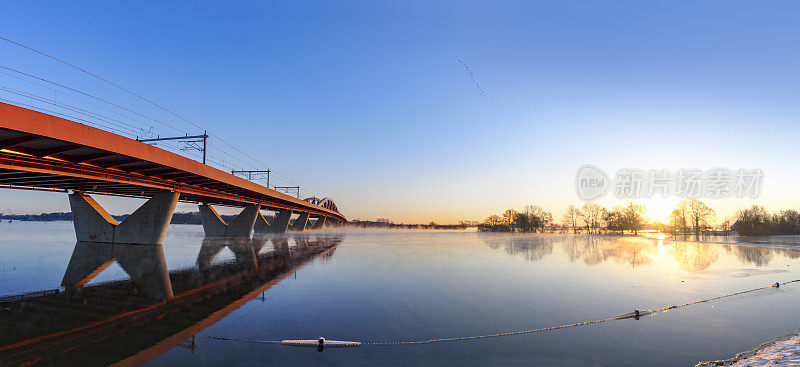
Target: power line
point(89, 95)
point(129, 92)
point(100, 78)
point(118, 128)
point(138, 96)
point(61, 114)
point(131, 127)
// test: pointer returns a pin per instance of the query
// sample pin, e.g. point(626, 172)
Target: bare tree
point(677, 220)
point(725, 226)
point(698, 213)
point(592, 214)
point(571, 217)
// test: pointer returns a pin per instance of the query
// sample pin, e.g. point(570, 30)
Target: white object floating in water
point(321, 342)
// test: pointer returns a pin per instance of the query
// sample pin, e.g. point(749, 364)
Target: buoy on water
point(636, 314)
point(320, 343)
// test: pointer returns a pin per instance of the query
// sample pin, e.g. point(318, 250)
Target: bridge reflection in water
point(132, 321)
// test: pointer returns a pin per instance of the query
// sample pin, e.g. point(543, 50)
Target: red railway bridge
point(44, 152)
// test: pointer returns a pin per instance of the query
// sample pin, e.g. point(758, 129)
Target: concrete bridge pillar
point(213, 224)
point(281, 221)
point(300, 223)
point(147, 225)
point(320, 222)
point(92, 223)
point(241, 226)
point(136, 243)
point(261, 226)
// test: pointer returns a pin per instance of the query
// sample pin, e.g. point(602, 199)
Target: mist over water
point(413, 285)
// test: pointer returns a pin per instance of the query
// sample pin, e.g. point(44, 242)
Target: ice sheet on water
point(782, 353)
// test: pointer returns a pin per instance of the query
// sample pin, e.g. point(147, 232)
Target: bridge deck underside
point(33, 161)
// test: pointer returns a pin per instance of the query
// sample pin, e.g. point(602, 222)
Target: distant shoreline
point(177, 218)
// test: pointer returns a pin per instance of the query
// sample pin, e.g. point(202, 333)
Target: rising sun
point(658, 208)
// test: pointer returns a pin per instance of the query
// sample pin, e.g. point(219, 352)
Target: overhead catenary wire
point(138, 132)
point(636, 315)
point(130, 127)
point(132, 131)
point(120, 127)
point(94, 97)
point(125, 90)
point(110, 128)
point(149, 101)
point(104, 123)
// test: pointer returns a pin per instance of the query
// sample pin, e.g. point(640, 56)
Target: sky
point(442, 111)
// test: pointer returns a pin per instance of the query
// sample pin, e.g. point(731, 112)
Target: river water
point(419, 285)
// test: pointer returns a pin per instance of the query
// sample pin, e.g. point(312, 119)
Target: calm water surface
point(404, 285)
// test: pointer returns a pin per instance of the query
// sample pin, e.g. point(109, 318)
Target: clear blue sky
point(368, 103)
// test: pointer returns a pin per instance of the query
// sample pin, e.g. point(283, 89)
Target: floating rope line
point(636, 314)
point(245, 340)
point(461, 338)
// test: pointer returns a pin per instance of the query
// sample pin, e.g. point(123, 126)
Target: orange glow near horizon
point(659, 209)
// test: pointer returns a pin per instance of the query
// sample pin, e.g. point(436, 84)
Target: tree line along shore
point(690, 216)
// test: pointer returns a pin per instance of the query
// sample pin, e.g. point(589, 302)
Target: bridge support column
point(146, 226)
point(301, 222)
point(213, 224)
point(320, 222)
point(136, 243)
point(241, 226)
point(261, 226)
point(281, 221)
